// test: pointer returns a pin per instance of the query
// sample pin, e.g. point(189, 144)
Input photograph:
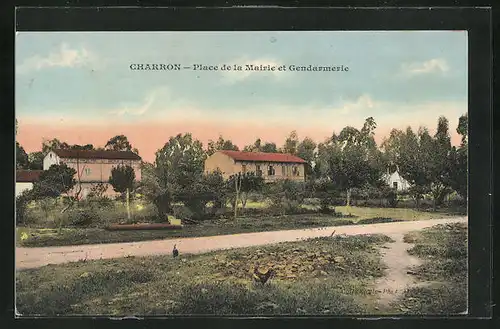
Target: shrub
point(22, 201)
point(286, 196)
point(82, 217)
point(182, 212)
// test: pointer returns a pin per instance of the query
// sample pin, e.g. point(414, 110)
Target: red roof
point(263, 157)
point(27, 176)
point(95, 154)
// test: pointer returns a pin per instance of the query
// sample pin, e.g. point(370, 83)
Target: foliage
point(257, 146)
point(57, 180)
point(53, 144)
point(326, 192)
point(291, 143)
point(118, 143)
point(306, 150)
point(458, 160)
point(122, 178)
point(286, 195)
point(352, 159)
point(82, 217)
point(215, 184)
point(220, 144)
point(247, 183)
point(36, 160)
point(21, 157)
point(97, 190)
point(155, 187)
point(22, 201)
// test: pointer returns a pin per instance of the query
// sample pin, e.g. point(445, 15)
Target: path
point(396, 279)
point(37, 257)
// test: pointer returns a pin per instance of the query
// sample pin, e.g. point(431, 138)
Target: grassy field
point(41, 237)
point(443, 275)
point(328, 276)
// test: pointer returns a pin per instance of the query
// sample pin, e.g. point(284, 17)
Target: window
point(87, 171)
point(283, 170)
point(270, 171)
point(395, 185)
point(295, 171)
point(244, 168)
point(258, 171)
point(51, 155)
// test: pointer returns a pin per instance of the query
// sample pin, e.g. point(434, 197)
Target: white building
point(25, 179)
point(396, 181)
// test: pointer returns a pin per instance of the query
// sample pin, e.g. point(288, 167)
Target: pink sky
point(149, 137)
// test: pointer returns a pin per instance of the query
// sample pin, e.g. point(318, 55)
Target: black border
point(476, 20)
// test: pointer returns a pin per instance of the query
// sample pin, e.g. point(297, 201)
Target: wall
point(50, 159)
point(20, 187)
point(228, 166)
point(97, 170)
point(396, 178)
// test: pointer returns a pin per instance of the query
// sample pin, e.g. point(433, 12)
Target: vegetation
point(328, 276)
point(443, 275)
point(86, 223)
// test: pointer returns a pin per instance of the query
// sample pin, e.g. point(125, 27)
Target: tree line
point(342, 165)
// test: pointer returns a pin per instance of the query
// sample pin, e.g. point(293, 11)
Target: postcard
point(241, 173)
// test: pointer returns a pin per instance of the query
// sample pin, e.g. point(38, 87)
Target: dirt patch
point(398, 274)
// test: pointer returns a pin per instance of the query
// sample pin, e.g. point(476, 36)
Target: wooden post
point(128, 205)
point(237, 183)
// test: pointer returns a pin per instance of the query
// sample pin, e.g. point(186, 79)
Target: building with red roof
point(271, 166)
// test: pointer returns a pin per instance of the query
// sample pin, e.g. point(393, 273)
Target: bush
point(82, 217)
point(182, 212)
point(22, 201)
point(286, 196)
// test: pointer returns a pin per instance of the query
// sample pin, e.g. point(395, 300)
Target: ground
point(334, 275)
point(44, 237)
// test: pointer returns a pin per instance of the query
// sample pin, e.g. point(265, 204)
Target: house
point(25, 179)
point(396, 181)
point(271, 166)
point(94, 166)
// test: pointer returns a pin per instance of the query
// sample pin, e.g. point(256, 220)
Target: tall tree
point(118, 143)
point(82, 147)
point(352, 160)
point(255, 147)
point(307, 150)
point(458, 160)
point(21, 157)
point(122, 179)
point(291, 143)
point(220, 144)
point(36, 160)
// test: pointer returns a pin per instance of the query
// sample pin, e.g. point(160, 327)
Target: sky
point(78, 87)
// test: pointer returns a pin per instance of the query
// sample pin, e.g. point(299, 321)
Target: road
point(37, 257)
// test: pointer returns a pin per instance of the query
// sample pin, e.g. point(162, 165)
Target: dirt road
point(37, 257)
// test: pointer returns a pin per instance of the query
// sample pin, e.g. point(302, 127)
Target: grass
point(332, 276)
point(443, 274)
point(42, 237)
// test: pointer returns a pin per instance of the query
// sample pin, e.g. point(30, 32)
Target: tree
point(217, 188)
point(269, 148)
point(21, 157)
point(122, 179)
point(291, 143)
point(81, 147)
point(155, 187)
point(410, 154)
point(179, 167)
point(53, 144)
point(220, 144)
point(352, 160)
point(36, 160)
point(57, 180)
point(458, 160)
point(118, 143)
point(440, 168)
point(240, 185)
point(307, 150)
point(255, 147)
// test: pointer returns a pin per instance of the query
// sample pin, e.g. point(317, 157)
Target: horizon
point(79, 88)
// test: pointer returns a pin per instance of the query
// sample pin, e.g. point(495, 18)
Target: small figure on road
point(175, 252)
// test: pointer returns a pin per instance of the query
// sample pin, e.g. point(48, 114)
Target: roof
point(27, 176)
point(263, 157)
point(95, 154)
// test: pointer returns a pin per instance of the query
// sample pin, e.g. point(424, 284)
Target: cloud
point(65, 56)
point(136, 110)
point(231, 77)
point(364, 102)
point(435, 65)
